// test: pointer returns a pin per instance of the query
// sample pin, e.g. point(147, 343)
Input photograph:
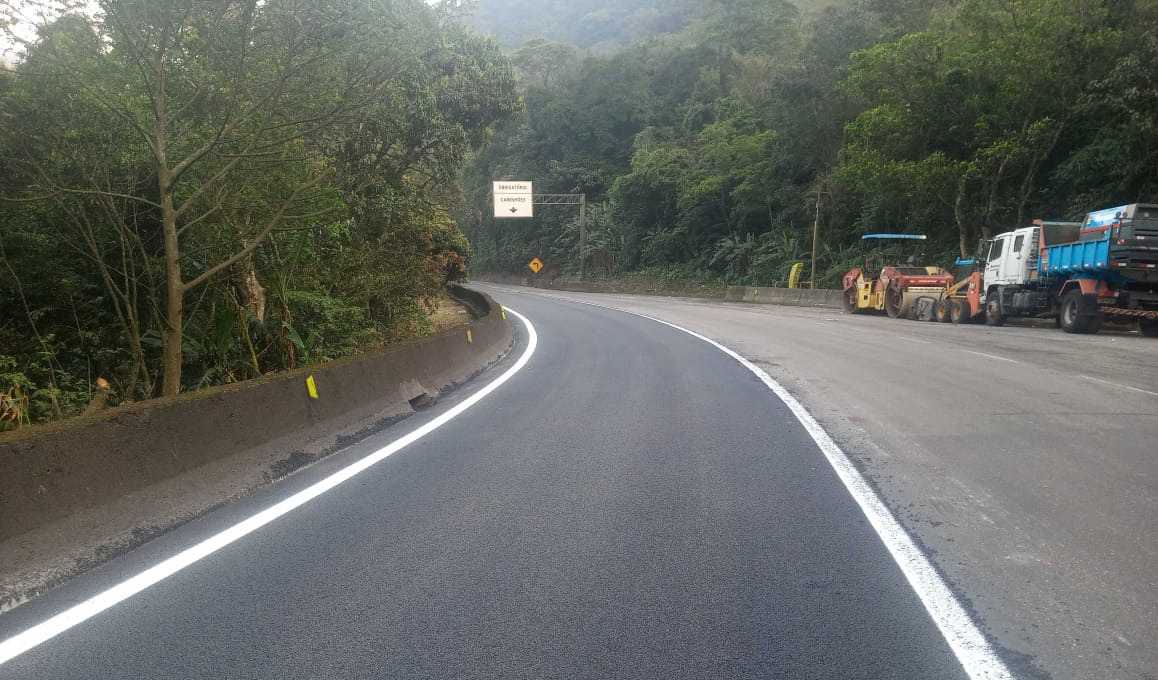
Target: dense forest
point(200, 192)
point(196, 193)
point(709, 146)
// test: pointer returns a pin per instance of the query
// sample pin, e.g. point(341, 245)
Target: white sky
point(28, 15)
point(31, 13)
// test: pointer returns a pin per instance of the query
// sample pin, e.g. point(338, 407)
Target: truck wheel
point(894, 300)
point(941, 311)
point(1149, 328)
point(993, 315)
point(1076, 316)
point(849, 300)
point(959, 311)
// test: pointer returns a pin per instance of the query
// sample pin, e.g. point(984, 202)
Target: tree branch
point(257, 240)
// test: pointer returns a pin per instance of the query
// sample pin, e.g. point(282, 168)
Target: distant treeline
point(706, 150)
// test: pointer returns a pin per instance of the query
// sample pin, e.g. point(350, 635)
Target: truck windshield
point(998, 248)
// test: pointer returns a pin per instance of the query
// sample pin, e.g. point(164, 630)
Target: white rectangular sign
point(514, 199)
point(514, 205)
point(514, 188)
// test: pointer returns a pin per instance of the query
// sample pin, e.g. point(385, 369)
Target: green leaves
point(713, 144)
point(309, 151)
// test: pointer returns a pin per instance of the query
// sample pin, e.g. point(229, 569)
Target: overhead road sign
point(514, 187)
point(514, 200)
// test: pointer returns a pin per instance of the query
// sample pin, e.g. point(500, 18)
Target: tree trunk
point(140, 365)
point(991, 202)
point(252, 292)
point(959, 216)
point(174, 291)
point(1029, 183)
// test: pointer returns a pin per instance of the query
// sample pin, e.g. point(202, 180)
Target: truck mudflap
point(1119, 312)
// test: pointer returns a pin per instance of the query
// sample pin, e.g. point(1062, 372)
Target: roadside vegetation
point(195, 193)
point(709, 135)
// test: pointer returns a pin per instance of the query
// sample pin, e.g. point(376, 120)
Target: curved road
point(632, 504)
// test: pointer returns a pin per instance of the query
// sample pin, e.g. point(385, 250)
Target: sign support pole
point(582, 234)
point(815, 240)
point(514, 199)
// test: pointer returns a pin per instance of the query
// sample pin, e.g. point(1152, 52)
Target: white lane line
point(972, 650)
point(74, 616)
point(1120, 386)
point(992, 356)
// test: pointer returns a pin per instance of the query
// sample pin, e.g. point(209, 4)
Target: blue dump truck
point(1079, 273)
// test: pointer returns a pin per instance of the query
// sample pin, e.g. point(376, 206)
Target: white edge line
point(78, 614)
point(1121, 386)
point(992, 356)
point(968, 643)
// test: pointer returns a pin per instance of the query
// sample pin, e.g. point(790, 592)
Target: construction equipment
point(1077, 273)
point(899, 291)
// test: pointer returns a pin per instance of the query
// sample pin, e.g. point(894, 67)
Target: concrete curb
point(66, 469)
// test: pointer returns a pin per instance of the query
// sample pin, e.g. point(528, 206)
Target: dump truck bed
point(1075, 258)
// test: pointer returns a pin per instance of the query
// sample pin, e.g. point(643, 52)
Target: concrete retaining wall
point(629, 286)
point(796, 297)
point(53, 472)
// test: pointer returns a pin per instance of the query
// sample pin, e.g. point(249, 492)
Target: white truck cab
point(1012, 258)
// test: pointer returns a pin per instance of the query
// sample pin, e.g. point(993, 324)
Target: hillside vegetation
point(196, 192)
point(708, 150)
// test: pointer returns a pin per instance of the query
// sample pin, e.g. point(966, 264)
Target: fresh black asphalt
point(633, 504)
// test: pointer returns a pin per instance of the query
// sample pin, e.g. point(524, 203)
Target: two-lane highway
point(631, 503)
point(1022, 458)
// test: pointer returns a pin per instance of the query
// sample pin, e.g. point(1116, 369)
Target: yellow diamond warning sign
point(536, 265)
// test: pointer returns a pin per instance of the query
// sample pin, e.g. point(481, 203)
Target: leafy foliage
point(202, 192)
point(716, 145)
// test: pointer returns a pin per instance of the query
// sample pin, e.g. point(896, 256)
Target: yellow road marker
point(312, 387)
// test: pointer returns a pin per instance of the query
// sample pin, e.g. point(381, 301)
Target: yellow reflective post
point(312, 387)
point(795, 275)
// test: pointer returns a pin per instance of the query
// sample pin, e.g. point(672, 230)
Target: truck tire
point(849, 300)
point(941, 311)
point(959, 311)
point(1079, 314)
point(894, 303)
point(925, 309)
point(1148, 328)
point(993, 315)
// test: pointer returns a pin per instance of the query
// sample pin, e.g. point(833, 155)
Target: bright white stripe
point(992, 356)
point(1121, 386)
point(69, 618)
point(973, 651)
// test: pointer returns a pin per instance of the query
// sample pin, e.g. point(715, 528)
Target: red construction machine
point(898, 290)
